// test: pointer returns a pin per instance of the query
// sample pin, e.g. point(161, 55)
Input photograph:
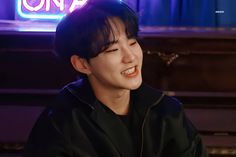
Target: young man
point(109, 112)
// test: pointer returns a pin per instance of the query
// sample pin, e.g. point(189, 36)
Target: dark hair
point(86, 31)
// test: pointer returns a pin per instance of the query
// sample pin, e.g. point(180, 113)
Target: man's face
point(119, 66)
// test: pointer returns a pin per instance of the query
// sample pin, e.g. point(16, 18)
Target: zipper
point(144, 121)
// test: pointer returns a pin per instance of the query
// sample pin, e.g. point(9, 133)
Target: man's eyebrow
point(108, 44)
point(131, 37)
point(111, 42)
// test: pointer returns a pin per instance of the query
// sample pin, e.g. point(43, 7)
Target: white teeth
point(129, 71)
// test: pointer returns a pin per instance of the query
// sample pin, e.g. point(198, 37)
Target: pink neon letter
point(59, 4)
point(31, 8)
point(75, 3)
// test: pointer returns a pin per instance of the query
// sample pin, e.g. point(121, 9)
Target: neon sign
point(46, 9)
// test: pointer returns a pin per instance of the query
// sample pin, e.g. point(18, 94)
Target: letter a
point(75, 3)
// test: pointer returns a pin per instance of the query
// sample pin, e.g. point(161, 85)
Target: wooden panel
point(196, 65)
point(192, 72)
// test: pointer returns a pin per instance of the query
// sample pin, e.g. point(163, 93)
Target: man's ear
point(80, 64)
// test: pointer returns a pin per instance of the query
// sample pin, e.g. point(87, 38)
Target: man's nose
point(128, 55)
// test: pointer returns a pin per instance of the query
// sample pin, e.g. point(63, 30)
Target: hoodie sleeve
point(183, 138)
point(51, 137)
point(196, 148)
point(46, 140)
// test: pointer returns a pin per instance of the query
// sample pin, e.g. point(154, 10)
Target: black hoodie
point(78, 125)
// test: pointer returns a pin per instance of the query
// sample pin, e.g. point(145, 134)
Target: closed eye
point(133, 43)
point(112, 50)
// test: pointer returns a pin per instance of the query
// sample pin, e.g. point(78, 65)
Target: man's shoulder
point(59, 111)
point(149, 96)
point(72, 96)
point(171, 104)
point(150, 91)
point(167, 104)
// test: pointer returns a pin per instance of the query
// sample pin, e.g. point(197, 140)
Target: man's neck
point(118, 103)
point(115, 99)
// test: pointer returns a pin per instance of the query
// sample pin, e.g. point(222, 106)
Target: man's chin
point(136, 85)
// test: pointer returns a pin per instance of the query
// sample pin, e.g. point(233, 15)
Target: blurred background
point(189, 49)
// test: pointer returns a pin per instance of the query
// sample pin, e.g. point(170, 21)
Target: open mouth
point(131, 72)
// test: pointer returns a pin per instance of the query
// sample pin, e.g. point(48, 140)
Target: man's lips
point(130, 72)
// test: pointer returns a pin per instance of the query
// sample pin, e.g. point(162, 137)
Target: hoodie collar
point(82, 90)
point(143, 97)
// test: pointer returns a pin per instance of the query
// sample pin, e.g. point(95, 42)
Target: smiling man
point(109, 112)
point(116, 70)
